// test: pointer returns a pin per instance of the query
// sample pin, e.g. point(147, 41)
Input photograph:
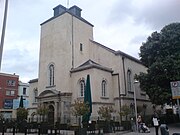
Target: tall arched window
point(129, 80)
point(82, 88)
point(35, 94)
point(104, 88)
point(51, 75)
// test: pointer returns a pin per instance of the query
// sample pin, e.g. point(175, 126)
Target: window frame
point(10, 92)
point(51, 74)
point(11, 83)
point(104, 88)
point(35, 95)
point(24, 91)
point(129, 80)
point(82, 87)
point(81, 47)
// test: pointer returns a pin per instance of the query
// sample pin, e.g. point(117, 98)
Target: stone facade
point(23, 90)
point(33, 93)
point(68, 54)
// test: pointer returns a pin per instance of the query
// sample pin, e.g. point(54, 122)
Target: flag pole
point(67, 3)
point(3, 31)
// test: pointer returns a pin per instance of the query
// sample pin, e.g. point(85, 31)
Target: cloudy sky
point(118, 24)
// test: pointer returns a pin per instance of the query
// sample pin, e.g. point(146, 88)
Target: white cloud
point(119, 24)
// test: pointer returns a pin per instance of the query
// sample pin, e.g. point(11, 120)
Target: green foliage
point(161, 54)
point(105, 112)
point(1, 116)
point(42, 110)
point(125, 111)
point(80, 108)
point(22, 113)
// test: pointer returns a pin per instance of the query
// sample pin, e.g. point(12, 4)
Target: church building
point(68, 53)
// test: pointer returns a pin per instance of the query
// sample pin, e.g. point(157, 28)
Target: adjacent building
point(33, 94)
point(23, 90)
point(68, 53)
point(8, 92)
point(11, 89)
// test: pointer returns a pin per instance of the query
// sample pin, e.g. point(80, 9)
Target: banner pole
point(178, 108)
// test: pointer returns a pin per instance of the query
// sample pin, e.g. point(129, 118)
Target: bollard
point(3, 128)
point(39, 130)
point(164, 129)
point(25, 132)
point(13, 130)
point(55, 132)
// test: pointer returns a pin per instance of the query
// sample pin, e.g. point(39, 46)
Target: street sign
point(8, 104)
point(175, 88)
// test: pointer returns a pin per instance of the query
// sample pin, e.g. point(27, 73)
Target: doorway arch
point(51, 114)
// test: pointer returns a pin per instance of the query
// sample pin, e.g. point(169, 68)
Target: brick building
point(8, 92)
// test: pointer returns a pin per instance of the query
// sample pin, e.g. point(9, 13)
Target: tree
point(1, 116)
point(80, 108)
point(105, 112)
point(161, 55)
point(42, 111)
point(22, 114)
point(125, 111)
point(21, 104)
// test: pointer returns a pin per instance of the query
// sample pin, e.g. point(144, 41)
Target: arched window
point(35, 94)
point(104, 88)
point(33, 117)
point(129, 80)
point(82, 88)
point(51, 75)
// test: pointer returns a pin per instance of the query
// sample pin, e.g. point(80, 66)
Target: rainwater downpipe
point(124, 74)
point(72, 44)
point(124, 94)
point(118, 90)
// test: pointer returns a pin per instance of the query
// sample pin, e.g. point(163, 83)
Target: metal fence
point(73, 124)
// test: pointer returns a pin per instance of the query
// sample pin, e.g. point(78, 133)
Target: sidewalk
point(173, 128)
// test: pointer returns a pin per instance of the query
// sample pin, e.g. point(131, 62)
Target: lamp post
point(3, 31)
point(135, 104)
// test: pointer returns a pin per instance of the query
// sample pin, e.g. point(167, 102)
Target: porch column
point(58, 111)
point(55, 111)
point(62, 111)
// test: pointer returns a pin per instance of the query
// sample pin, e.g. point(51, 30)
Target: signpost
point(175, 88)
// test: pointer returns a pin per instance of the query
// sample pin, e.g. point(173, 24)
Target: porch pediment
point(48, 93)
point(91, 64)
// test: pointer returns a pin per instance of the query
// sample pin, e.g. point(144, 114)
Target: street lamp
point(135, 104)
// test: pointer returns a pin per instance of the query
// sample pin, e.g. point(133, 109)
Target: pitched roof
point(90, 64)
point(33, 80)
point(117, 52)
point(68, 11)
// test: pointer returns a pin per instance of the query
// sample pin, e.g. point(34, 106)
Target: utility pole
point(3, 31)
